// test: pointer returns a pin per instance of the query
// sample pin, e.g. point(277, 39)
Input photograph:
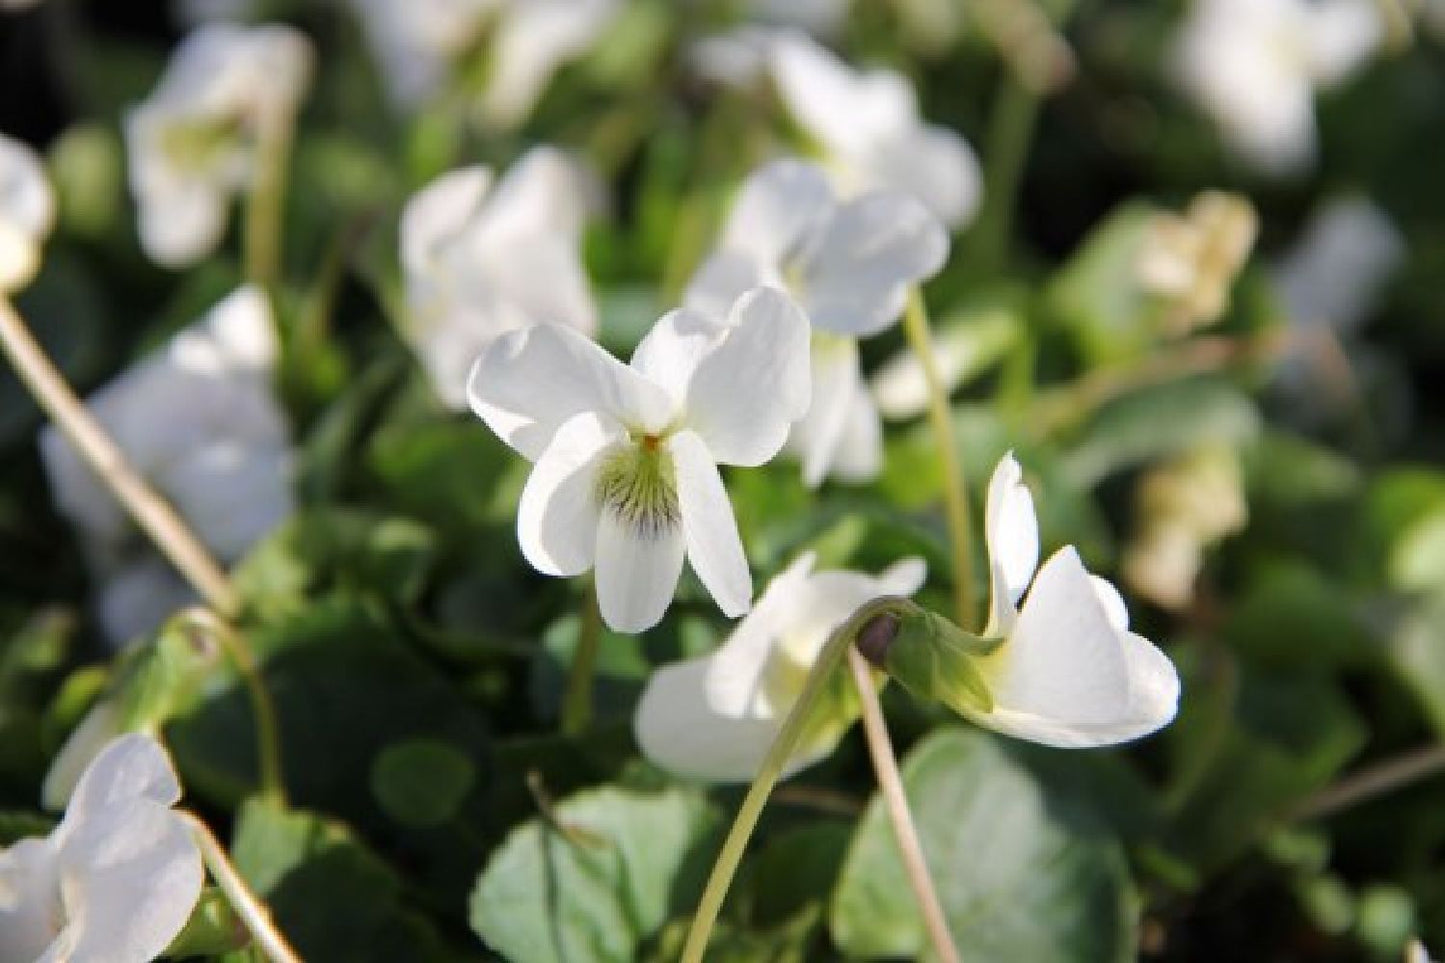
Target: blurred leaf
point(797, 868)
point(1418, 561)
point(1289, 614)
point(332, 898)
point(1097, 291)
point(1024, 874)
point(1418, 648)
point(421, 782)
point(88, 174)
point(597, 883)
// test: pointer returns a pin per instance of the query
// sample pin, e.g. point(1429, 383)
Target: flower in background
point(482, 258)
point(625, 477)
point(868, 126)
point(849, 265)
point(27, 213)
point(117, 879)
point(193, 142)
point(200, 423)
point(715, 717)
point(1254, 66)
point(419, 41)
point(1068, 672)
point(1191, 260)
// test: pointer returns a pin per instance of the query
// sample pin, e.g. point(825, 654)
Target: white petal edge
point(1011, 531)
point(714, 547)
point(558, 514)
point(636, 573)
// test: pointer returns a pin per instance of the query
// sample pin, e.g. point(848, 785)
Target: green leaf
point(599, 880)
point(422, 782)
point(1418, 651)
point(1024, 874)
point(1097, 293)
point(332, 898)
point(1418, 561)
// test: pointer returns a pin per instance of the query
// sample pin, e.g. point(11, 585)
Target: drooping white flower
point(868, 125)
point(116, 881)
point(27, 213)
point(714, 717)
point(199, 422)
point(849, 265)
point(625, 478)
point(483, 258)
point(1333, 274)
point(1254, 66)
point(1068, 672)
point(192, 143)
point(419, 41)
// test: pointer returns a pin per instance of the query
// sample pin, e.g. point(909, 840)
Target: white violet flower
point(483, 257)
point(714, 717)
point(625, 477)
point(193, 143)
point(27, 213)
point(199, 421)
point(849, 265)
point(1254, 66)
point(1333, 275)
point(1068, 672)
point(116, 881)
point(868, 125)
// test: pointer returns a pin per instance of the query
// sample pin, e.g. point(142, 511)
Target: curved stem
point(265, 205)
point(268, 736)
point(248, 908)
point(1376, 780)
point(955, 501)
point(1011, 127)
point(768, 774)
point(890, 784)
point(151, 512)
point(577, 703)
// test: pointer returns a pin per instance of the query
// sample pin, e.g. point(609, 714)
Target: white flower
point(418, 42)
point(481, 259)
point(116, 881)
point(1254, 65)
point(200, 423)
point(27, 213)
point(626, 456)
point(868, 125)
point(192, 144)
point(849, 265)
point(1334, 272)
point(714, 718)
point(1069, 672)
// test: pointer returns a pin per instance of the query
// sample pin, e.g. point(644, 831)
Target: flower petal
point(840, 107)
point(1011, 530)
point(636, 572)
point(671, 351)
point(735, 686)
point(723, 278)
point(776, 209)
point(836, 381)
point(527, 383)
point(533, 40)
point(746, 392)
point(872, 250)
point(713, 545)
point(438, 213)
point(133, 766)
point(859, 457)
point(558, 515)
point(94, 732)
point(546, 190)
point(935, 165)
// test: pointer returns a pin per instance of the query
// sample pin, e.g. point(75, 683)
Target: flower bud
point(929, 655)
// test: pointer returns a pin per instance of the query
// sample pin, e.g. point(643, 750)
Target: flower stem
point(265, 203)
point(577, 703)
point(150, 511)
point(248, 908)
point(890, 784)
point(769, 772)
point(1011, 127)
point(1376, 780)
point(955, 502)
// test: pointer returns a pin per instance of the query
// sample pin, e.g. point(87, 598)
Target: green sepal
point(213, 928)
point(936, 660)
point(165, 678)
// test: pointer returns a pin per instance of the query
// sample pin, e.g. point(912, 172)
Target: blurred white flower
point(192, 143)
point(1068, 672)
point(1415, 952)
point(868, 126)
point(27, 213)
point(1333, 274)
point(961, 350)
point(200, 423)
point(714, 717)
point(625, 475)
point(818, 17)
point(418, 41)
point(1190, 261)
point(849, 265)
point(10, 5)
point(117, 879)
point(483, 258)
point(1254, 66)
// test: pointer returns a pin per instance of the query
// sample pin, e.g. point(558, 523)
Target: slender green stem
point(1011, 128)
point(268, 734)
point(895, 800)
point(577, 703)
point(768, 774)
point(266, 203)
point(1383, 777)
point(955, 499)
point(248, 907)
